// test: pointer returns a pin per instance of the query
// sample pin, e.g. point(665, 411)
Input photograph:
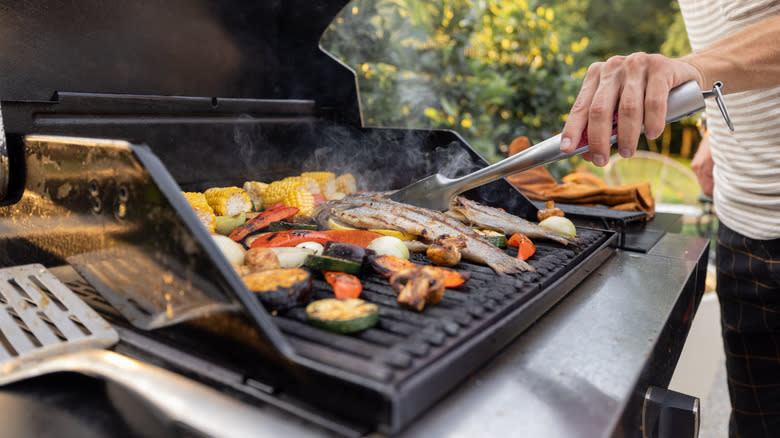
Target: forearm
point(748, 59)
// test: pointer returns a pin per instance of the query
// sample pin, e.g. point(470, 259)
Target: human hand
point(702, 165)
point(636, 87)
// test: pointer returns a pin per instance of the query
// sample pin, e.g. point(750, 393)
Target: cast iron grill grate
point(404, 340)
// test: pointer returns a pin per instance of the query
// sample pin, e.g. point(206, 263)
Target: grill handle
point(4, 169)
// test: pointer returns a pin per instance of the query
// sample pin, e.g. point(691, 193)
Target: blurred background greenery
point(494, 70)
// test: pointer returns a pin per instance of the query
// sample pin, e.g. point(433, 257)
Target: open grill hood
point(112, 108)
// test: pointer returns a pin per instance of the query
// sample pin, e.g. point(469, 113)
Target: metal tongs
point(437, 191)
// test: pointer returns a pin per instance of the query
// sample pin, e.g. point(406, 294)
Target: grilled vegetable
point(285, 225)
point(342, 316)
point(228, 201)
point(294, 237)
point(346, 251)
point(314, 246)
point(230, 249)
point(202, 209)
point(560, 225)
point(280, 289)
point(255, 190)
point(263, 220)
point(549, 210)
point(525, 247)
point(418, 286)
point(291, 257)
point(344, 285)
point(494, 237)
point(277, 191)
point(326, 181)
point(346, 184)
point(226, 224)
point(389, 245)
point(325, 263)
point(300, 199)
point(387, 265)
point(260, 259)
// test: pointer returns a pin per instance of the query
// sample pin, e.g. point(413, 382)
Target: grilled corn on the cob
point(202, 209)
point(228, 201)
point(326, 181)
point(277, 190)
point(346, 184)
point(255, 190)
point(302, 200)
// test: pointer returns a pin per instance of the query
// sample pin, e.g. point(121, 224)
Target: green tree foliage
point(676, 43)
point(620, 27)
point(492, 70)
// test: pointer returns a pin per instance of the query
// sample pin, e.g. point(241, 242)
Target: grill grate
point(404, 340)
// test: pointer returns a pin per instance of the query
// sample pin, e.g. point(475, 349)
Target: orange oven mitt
point(579, 188)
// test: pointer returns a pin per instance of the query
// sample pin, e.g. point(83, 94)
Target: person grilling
point(735, 42)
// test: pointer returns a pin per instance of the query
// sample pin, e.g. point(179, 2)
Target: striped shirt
point(747, 161)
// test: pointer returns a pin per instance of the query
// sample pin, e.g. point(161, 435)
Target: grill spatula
point(45, 328)
point(437, 191)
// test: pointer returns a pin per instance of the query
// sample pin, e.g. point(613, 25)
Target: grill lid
point(249, 49)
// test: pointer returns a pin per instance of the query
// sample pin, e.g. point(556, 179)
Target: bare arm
point(702, 166)
point(637, 87)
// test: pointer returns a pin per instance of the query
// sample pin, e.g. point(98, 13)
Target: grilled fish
point(474, 213)
point(371, 210)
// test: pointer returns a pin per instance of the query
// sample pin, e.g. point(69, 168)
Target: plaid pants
point(748, 283)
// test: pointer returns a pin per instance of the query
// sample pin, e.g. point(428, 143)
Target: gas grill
point(106, 124)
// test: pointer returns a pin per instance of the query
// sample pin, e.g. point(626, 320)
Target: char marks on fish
point(474, 213)
point(374, 211)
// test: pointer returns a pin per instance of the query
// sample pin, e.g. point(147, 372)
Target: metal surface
point(717, 93)
point(576, 371)
point(148, 295)
point(45, 328)
point(181, 400)
point(570, 375)
point(436, 191)
point(41, 318)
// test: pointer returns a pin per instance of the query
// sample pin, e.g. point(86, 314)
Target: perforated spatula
point(45, 328)
point(437, 191)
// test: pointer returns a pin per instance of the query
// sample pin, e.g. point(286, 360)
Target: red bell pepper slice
point(262, 220)
point(344, 285)
point(525, 247)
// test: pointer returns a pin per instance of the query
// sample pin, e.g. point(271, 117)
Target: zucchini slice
point(226, 224)
point(342, 316)
point(325, 263)
point(280, 289)
point(493, 237)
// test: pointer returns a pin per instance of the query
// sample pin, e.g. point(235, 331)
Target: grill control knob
point(669, 414)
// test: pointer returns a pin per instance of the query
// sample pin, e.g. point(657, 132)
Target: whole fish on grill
point(373, 210)
point(474, 213)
